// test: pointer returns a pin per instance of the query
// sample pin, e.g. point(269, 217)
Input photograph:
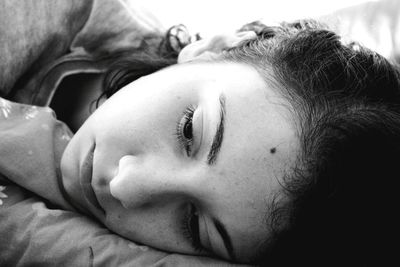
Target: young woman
point(283, 144)
point(278, 148)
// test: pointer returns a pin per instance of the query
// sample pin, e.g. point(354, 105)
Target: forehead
point(260, 145)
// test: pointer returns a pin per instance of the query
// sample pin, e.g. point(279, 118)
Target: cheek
point(155, 227)
point(147, 115)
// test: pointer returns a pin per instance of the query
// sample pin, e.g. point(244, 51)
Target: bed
point(37, 226)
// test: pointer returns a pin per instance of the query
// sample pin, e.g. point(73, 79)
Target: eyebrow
point(219, 134)
point(225, 237)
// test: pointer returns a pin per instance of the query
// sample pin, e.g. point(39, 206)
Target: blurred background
point(373, 23)
point(213, 16)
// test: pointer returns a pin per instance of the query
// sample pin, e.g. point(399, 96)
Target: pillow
point(373, 24)
point(33, 232)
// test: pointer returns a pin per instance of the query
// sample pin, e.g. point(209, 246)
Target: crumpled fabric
point(38, 226)
point(43, 41)
point(374, 24)
point(32, 142)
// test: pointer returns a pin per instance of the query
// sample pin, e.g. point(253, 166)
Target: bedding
point(38, 225)
point(41, 43)
point(375, 24)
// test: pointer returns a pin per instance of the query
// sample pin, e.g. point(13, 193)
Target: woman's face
point(187, 159)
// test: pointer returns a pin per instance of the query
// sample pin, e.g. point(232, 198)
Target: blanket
point(37, 223)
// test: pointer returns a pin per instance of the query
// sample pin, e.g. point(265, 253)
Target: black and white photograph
point(199, 133)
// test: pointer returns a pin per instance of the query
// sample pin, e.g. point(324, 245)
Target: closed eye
point(190, 228)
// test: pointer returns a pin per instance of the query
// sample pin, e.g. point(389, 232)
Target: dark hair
point(133, 64)
point(341, 199)
point(340, 205)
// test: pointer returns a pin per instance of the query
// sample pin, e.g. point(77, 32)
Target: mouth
point(86, 176)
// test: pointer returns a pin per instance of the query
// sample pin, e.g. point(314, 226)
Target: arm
point(43, 41)
point(35, 33)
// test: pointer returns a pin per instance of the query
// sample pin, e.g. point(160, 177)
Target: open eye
point(184, 129)
point(188, 129)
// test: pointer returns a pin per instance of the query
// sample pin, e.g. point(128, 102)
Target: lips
point(86, 184)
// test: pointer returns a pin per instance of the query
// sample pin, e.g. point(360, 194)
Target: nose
point(145, 181)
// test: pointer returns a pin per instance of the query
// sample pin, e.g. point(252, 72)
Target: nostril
point(123, 185)
point(117, 191)
point(137, 184)
point(113, 186)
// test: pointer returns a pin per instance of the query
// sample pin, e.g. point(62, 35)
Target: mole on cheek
point(272, 150)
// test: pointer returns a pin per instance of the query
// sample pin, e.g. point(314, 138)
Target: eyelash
point(185, 142)
point(190, 228)
point(190, 222)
